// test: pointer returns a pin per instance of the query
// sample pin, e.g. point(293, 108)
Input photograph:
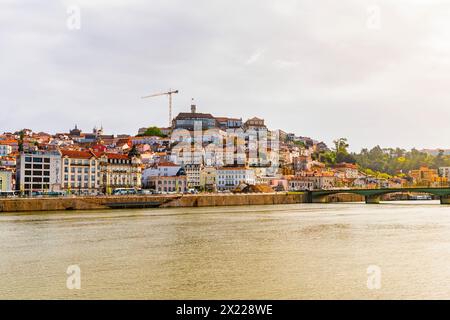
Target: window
point(46, 160)
point(27, 159)
point(28, 166)
point(39, 160)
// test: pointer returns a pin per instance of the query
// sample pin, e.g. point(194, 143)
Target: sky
point(376, 72)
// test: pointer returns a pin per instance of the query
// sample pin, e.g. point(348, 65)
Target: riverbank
point(146, 201)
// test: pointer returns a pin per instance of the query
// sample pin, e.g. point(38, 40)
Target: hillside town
point(199, 152)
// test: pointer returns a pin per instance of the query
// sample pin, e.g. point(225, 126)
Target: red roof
point(167, 164)
point(116, 156)
point(77, 154)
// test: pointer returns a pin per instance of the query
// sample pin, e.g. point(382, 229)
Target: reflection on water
point(304, 251)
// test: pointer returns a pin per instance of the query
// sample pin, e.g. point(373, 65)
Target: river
point(301, 251)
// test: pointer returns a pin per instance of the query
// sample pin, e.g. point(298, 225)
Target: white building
point(230, 177)
point(80, 172)
point(38, 171)
point(162, 169)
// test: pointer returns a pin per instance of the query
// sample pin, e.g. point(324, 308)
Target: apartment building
point(230, 177)
point(5, 149)
point(81, 174)
point(177, 183)
point(208, 179)
point(193, 174)
point(119, 171)
point(6, 180)
point(162, 169)
point(38, 171)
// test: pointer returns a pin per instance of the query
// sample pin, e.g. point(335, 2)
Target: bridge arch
point(374, 195)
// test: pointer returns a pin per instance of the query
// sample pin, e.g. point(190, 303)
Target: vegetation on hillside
point(382, 162)
point(153, 131)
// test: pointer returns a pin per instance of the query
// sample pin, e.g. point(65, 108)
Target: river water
point(302, 251)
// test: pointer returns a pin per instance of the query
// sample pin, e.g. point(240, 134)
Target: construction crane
point(169, 93)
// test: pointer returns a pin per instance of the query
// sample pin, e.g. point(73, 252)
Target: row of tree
point(390, 161)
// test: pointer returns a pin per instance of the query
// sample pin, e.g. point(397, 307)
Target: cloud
point(313, 68)
point(255, 57)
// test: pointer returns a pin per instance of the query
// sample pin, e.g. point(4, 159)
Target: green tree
point(133, 152)
point(153, 131)
point(21, 136)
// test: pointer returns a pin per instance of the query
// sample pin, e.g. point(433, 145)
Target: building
point(119, 171)
point(444, 172)
point(231, 177)
point(255, 124)
point(177, 184)
point(208, 179)
point(81, 174)
point(312, 181)
point(165, 177)
point(5, 149)
point(229, 123)
point(75, 132)
point(38, 171)
point(425, 176)
point(193, 174)
point(162, 169)
point(346, 170)
point(6, 180)
point(187, 120)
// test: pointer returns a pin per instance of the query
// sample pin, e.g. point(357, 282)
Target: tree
point(21, 136)
point(340, 149)
point(133, 152)
point(153, 131)
point(341, 145)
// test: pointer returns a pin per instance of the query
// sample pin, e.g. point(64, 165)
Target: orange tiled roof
point(77, 154)
point(116, 156)
point(167, 164)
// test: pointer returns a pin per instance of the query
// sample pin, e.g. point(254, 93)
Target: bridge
point(374, 195)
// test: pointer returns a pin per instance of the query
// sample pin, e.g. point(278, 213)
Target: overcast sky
point(376, 72)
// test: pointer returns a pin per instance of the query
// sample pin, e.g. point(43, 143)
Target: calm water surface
point(304, 251)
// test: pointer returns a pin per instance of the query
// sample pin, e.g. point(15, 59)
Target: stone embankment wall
point(107, 202)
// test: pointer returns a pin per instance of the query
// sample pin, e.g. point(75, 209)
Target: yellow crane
point(169, 94)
